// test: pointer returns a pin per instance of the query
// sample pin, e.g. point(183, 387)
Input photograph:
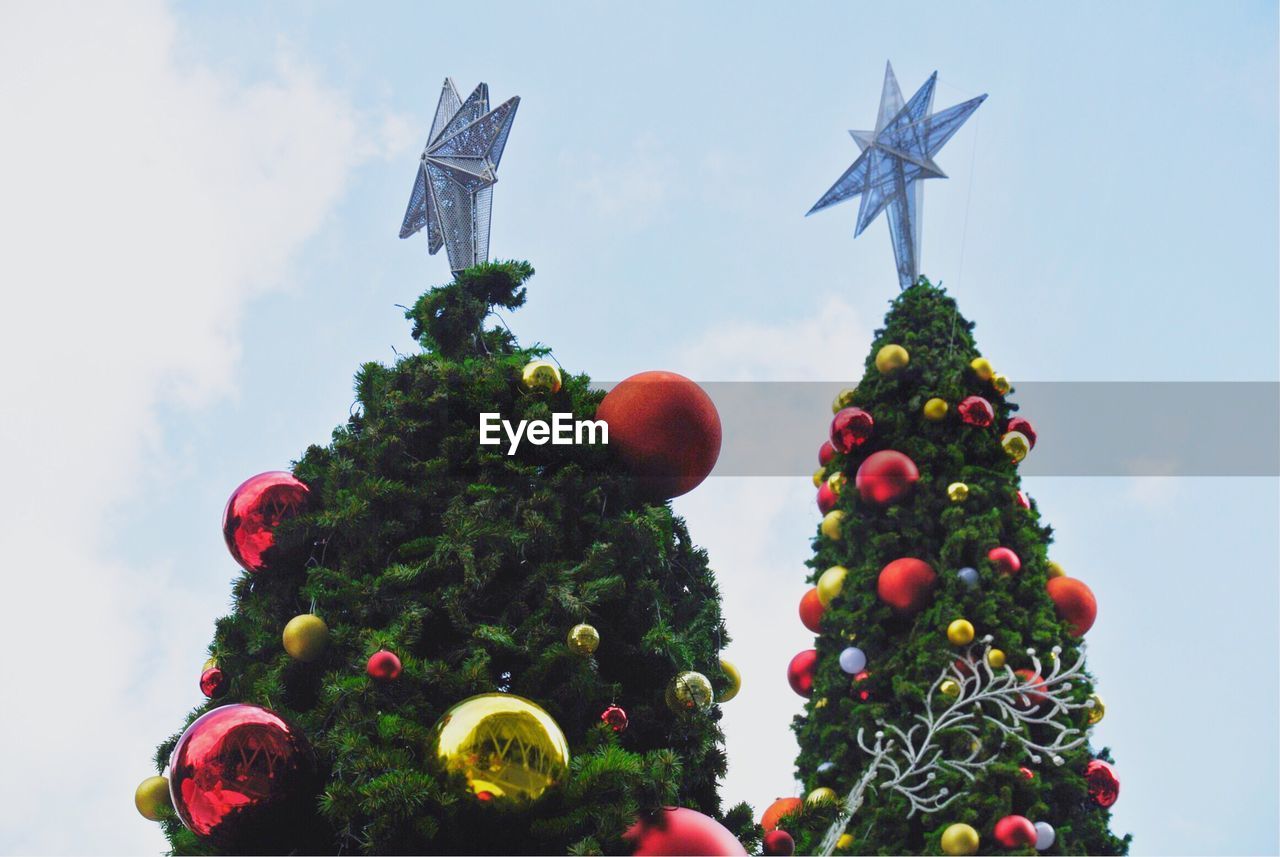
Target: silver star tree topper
point(895, 156)
point(453, 195)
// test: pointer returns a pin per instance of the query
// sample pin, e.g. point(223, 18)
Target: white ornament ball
point(853, 660)
point(1045, 835)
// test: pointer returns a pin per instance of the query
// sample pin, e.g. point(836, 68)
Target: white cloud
point(633, 187)
point(146, 199)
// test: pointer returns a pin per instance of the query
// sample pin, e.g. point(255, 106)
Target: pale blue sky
point(1111, 215)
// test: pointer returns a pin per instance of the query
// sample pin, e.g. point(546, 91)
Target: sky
point(200, 204)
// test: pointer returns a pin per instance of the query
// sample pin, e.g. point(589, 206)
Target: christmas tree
point(949, 704)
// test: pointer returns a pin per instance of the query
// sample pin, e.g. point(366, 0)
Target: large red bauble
point(851, 428)
point(1015, 831)
point(826, 453)
point(779, 809)
point(1032, 696)
point(253, 512)
point(976, 411)
point(1104, 784)
point(778, 843)
point(827, 498)
point(384, 666)
point(243, 776)
point(1074, 602)
point(811, 611)
point(1005, 560)
point(905, 584)
point(1022, 424)
point(800, 671)
point(885, 477)
point(213, 682)
point(676, 831)
point(666, 429)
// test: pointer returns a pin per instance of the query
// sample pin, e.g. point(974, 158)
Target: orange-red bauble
point(800, 671)
point(905, 584)
point(886, 477)
point(1015, 831)
point(779, 809)
point(253, 512)
point(665, 428)
point(1074, 602)
point(827, 498)
point(1005, 560)
point(676, 830)
point(826, 453)
point(811, 610)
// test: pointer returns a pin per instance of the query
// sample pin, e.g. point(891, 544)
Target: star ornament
point(895, 157)
point(452, 196)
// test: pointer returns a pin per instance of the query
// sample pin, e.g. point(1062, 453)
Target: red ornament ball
point(1015, 831)
point(253, 512)
point(811, 611)
point(665, 428)
point(678, 831)
point(778, 810)
point(779, 843)
point(1023, 500)
point(243, 776)
point(827, 498)
point(1021, 424)
point(1027, 773)
point(213, 682)
point(886, 477)
point(800, 671)
point(976, 411)
point(1005, 560)
point(860, 691)
point(1104, 783)
point(851, 428)
point(1074, 602)
point(826, 453)
point(615, 718)
point(905, 584)
point(384, 666)
point(1032, 696)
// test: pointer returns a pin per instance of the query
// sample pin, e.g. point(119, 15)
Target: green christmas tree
point(941, 615)
point(468, 567)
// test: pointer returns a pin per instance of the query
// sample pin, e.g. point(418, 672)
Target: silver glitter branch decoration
point(908, 762)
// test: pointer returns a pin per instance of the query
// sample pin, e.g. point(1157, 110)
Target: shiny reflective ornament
point(982, 367)
point(827, 771)
point(305, 637)
point(540, 376)
point(1022, 425)
point(853, 660)
point(1023, 500)
point(1027, 773)
point(1015, 446)
point(935, 410)
point(778, 810)
point(850, 429)
point(845, 843)
point(960, 632)
point(676, 830)
point(1056, 570)
point(821, 795)
point(583, 640)
point(957, 492)
point(836, 482)
point(690, 693)
point(976, 411)
point(502, 744)
point(1015, 831)
point(801, 670)
point(826, 453)
point(213, 682)
point(253, 512)
point(384, 666)
point(1098, 711)
point(886, 477)
point(959, 839)
point(831, 583)
point(1001, 384)
point(949, 688)
point(831, 524)
point(1074, 603)
point(811, 610)
point(152, 798)
point(615, 718)
point(906, 585)
point(735, 681)
point(819, 477)
point(842, 400)
point(995, 659)
point(891, 358)
point(778, 843)
point(827, 498)
point(1004, 560)
point(1104, 783)
point(1045, 836)
point(969, 577)
point(243, 777)
point(211, 662)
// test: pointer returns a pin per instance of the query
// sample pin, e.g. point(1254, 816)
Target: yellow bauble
point(540, 376)
point(583, 639)
point(1001, 384)
point(209, 664)
point(819, 475)
point(949, 688)
point(935, 410)
point(305, 637)
point(995, 659)
point(845, 842)
point(842, 400)
point(958, 492)
point(508, 749)
point(690, 693)
point(830, 583)
point(960, 839)
point(836, 481)
point(821, 703)
point(891, 358)
point(152, 797)
point(1056, 570)
point(982, 368)
point(821, 795)
point(1016, 445)
point(960, 632)
point(1098, 711)
point(735, 680)
point(831, 524)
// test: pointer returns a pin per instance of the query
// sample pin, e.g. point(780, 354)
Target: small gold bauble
point(960, 632)
point(959, 840)
point(821, 703)
point(949, 688)
point(995, 659)
point(583, 640)
point(935, 410)
point(540, 376)
point(1016, 445)
point(305, 637)
point(1056, 570)
point(821, 795)
point(209, 664)
point(503, 745)
point(845, 842)
point(836, 481)
point(958, 492)
point(819, 475)
point(1001, 384)
point(735, 680)
point(1098, 711)
point(152, 797)
point(982, 368)
point(831, 523)
point(830, 583)
point(842, 400)
point(891, 358)
point(689, 693)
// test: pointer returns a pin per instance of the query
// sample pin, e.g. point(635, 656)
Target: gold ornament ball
point(845, 842)
point(949, 688)
point(982, 368)
point(1098, 711)
point(960, 839)
point(151, 797)
point(958, 492)
point(735, 680)
point(1001, 384)
point(891, 358)
point(821, 703)
point(583, 640)
point(501, 744)
point(830, 583)
point(995, 659)
point(1056, 570)
point(960, 632)
point(540, 376)
point(831, 523)
point(305, 637)
point(209, 664)
point(819, 475)
point(935, 410)
point(690, 693)
point(821, 795)
point(1016, 445)
point(842, 400)
point(836, 481)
